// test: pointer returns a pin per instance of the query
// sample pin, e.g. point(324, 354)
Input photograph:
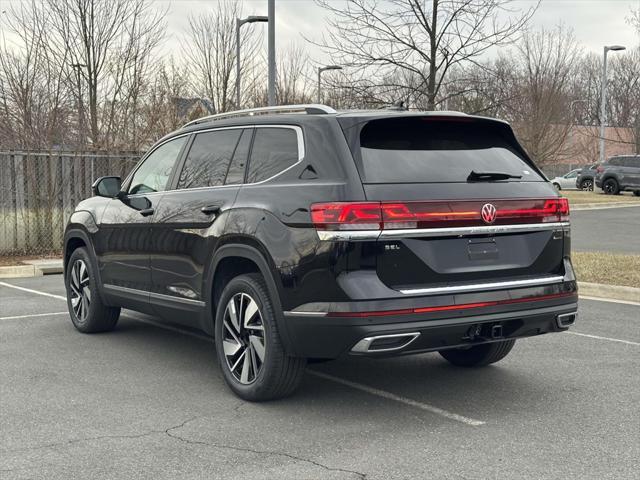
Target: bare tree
point(294, 76)
point(210, 48)
point(542, 66)
point(423, 39)
point(107, 42)
point(34, 102)
point(634, 19)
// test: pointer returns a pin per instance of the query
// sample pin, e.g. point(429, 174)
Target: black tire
point(479, 355)
point(557, 185)
point(278, 374)
point(88, 313)
point(637, 193)
point(586, 185)
point(610, 186)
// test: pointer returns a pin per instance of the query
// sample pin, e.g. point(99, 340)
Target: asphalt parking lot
point(615, 230)
point(148, 401)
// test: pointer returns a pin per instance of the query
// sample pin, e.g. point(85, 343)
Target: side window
point(274, 150)
point(634, 162)
point(615, 162)
point(208, 159)
point(572, 174)
point(153, 175)
point(235, 174)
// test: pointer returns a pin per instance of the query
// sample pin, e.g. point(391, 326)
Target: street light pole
point(239, 23)
point(603, 100)
point(272, 51)
point(77, 67)
point(324, 69)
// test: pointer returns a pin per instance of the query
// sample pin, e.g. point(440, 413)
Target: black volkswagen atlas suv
point(297, 233)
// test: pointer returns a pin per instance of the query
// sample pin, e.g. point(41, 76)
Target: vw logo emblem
point(488, 213)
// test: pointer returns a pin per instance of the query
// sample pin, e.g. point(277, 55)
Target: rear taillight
point(347, 216)
point(464, 213)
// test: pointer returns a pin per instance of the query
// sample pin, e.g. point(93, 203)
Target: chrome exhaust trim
point(364, 345)
point(566, 319)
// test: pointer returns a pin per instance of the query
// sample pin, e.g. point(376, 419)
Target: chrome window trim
point(346, 235)
point(301, 155)
point(480, 287)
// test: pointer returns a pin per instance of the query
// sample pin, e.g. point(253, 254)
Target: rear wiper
point(489, 176)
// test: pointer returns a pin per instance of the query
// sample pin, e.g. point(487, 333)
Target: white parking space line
point(358, 386)
point(610, 300)
point(397, 398)
point(33, 315)
point(597, 337)
point(59, 297)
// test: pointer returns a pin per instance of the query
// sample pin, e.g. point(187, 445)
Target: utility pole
point(324, 69)
point(603, 100)
point(272, 51)
point(239, 23)
point(77, 67)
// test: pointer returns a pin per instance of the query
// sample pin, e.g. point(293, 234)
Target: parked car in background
point(584, 180)
point(566, 181)
point(289, 236)
point(618, 174)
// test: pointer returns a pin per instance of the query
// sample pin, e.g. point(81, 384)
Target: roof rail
point(309, 109)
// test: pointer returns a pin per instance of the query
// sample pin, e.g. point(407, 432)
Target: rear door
point(461, 203)
point(191, 216)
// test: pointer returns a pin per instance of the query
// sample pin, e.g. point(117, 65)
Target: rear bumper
point(317, 336)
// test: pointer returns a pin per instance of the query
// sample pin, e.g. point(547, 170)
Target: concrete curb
point(610, 292)
point(33, 268)
point(20, 271)
point(600, 206)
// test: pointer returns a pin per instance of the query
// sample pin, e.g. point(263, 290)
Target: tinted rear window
point(274, 150)
point(425, 150)
point(208, 160)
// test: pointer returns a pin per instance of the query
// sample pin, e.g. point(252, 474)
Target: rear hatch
point(461, 202)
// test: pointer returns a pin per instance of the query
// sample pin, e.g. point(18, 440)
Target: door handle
point(147, 211)
point(210, 209)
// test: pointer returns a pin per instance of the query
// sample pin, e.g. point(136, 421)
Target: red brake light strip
point(443, 308)
point(393, 215)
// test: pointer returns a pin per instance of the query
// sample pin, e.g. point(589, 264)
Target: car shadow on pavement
point(423, 378)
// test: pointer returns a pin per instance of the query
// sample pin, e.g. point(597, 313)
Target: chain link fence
point(39, 191)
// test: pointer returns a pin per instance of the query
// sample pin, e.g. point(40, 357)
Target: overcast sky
point(595, 22)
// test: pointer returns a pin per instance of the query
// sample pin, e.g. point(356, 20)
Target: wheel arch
point(234, 259)
point(76, 237)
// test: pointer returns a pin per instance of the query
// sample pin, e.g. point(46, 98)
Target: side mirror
point(106, 187)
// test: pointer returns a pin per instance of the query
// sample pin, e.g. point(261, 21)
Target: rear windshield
point(428, 150)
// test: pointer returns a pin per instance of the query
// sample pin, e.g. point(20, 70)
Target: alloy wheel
point(243, 338)
point(587, 185)
point(80, 290)
point(609, 187)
